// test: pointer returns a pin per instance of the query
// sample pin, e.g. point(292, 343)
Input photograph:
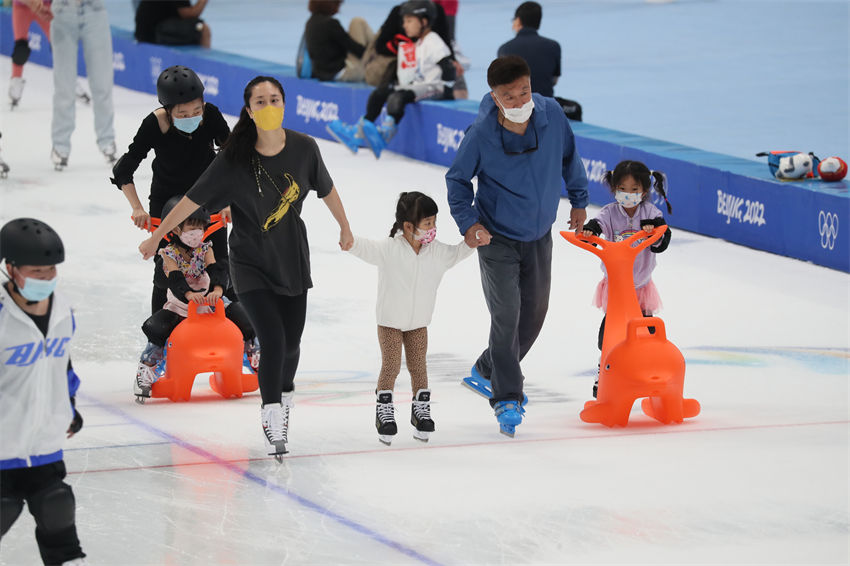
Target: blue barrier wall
point(712, 194)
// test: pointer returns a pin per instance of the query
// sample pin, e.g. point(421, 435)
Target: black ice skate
point(385, 417)
point(420, 415)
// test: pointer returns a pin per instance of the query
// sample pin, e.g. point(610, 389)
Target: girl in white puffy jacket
point(411, 263)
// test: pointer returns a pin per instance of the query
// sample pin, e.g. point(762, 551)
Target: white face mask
point(518, 115)
point(628, 200)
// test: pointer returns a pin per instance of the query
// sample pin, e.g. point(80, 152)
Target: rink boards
point(712, 194)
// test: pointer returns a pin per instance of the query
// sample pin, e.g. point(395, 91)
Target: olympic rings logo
point(828, 226)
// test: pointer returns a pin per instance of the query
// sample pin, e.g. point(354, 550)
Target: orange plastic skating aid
point(634, 363)
point(204, 343)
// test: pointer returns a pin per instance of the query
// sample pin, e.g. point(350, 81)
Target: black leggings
point(278, 321)
point(394, 99)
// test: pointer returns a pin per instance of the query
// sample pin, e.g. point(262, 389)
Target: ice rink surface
point(759, 477)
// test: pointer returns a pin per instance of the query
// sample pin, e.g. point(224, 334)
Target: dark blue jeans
point(516, 278)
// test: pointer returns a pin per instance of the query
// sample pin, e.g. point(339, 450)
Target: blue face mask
point(37, 289)
point(188, 125)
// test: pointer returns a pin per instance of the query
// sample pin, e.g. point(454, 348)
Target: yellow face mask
point(269, 118)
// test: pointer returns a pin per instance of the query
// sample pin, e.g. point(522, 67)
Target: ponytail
point(412, 207)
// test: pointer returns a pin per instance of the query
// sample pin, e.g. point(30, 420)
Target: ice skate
point(509, 416)
point(145, 378)
point(59, 161)
point(109, 153)
point(345, 134)
point(596, 383)
point(274, 418)
point(81, 93)
point(385, 417)
point(377, 137)
point(481, 385)
point(16, 89)
point(420, 415)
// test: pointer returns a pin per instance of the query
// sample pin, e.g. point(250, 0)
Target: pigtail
point(660, 186)
point(608, 178)
point(400, 215)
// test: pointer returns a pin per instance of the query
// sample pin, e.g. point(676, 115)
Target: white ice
point(760, 476)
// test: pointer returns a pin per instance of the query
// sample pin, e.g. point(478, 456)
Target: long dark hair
point(412, 207)
point(640, 173)
point(239, 147)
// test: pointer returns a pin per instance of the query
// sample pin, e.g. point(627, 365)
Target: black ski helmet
point(420, 9)
point(178, 84)
point(200, 214)
point(27, 241)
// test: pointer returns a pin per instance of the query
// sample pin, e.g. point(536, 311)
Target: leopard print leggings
point(415, 347)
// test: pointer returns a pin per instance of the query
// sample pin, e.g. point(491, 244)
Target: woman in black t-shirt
point(181, 133)
point(264, 173)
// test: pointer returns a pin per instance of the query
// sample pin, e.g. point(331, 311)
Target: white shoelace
point(274, 423)
point(422, 410)
point(386, 412)
point(145, 375)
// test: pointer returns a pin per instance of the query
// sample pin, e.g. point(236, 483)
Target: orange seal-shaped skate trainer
point(204, 343)
point(635, 363)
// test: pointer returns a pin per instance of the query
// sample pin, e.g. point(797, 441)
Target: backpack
point(787, 165)
point(303, 65)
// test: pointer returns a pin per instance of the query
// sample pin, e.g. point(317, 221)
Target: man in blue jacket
point(520, 147)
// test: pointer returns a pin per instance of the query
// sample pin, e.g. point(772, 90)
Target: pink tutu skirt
point(648, 297)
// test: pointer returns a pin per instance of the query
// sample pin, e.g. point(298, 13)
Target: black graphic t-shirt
point(268, 243)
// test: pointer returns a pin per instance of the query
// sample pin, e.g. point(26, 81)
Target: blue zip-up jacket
point(518, 195)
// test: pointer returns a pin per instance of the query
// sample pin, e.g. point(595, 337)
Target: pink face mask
point(192, 238)
point(425, 236)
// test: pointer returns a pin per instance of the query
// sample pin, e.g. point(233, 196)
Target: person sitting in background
point(172, 22)
point(424, 71)
point(336, 55)
point(542, 54)
point(381, 55)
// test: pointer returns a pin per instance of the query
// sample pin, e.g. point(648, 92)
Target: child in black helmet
point(181, 133)
point(37, 389)
point(193, 275)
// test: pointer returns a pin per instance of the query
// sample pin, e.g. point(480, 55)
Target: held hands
point(346, 239)
point(197, 297)
point(477, 235)
point(141, 219)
